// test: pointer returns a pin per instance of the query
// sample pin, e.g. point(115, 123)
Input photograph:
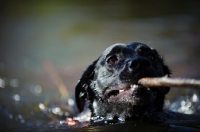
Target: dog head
point(110, 84)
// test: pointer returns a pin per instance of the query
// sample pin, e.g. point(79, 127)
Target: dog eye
point(112, 60)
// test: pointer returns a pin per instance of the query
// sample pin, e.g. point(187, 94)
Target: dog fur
point(110, 87)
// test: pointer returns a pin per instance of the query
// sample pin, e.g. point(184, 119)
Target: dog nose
point(139, 62)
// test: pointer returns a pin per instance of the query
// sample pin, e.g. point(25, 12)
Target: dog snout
point(139, 62)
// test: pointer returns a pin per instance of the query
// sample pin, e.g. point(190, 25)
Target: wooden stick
point(169, 82)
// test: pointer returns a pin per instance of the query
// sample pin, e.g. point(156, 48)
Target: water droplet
point(38, 89)
point(2, 83)
point(20, 116)
point(71, 102)
point(66, 113)
point(195, 98)
point(22, 121)
point(14, 83)
point(41, 106)
point(11, 116)
point(56, 110)
point(16, 97)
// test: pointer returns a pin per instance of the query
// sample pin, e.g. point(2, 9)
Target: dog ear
point(166, 70)
point(167, 73)
point(82, 86)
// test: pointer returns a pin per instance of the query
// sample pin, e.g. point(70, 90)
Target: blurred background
point(46, 45)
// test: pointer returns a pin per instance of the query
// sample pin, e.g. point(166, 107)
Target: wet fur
point(101, 80)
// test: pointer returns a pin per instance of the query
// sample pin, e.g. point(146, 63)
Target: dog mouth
point(131, 94)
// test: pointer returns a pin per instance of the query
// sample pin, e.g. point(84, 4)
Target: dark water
point(45, 46)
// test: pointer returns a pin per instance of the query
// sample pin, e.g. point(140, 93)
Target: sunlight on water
point(11, 116)
point(56, 110)
point(71, 102)
point(30, 89)
point(195, 98)
point(41, 106)
point(14, 83)
point(2, 83)
point(187, 104)
point(38, 89)
point(20, 116)
point(16, 97)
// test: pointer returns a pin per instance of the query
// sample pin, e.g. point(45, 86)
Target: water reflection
point(16, 97)
point(187, 104)
point(26, 105)
point(42, 107)
point(35, 89)
point(14, 83)
point(71, 102)
point(2, 83)
point(195, 98)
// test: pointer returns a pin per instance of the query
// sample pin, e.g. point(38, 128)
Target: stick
point(169, 82)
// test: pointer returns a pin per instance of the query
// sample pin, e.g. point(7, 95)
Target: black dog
point(110, 86)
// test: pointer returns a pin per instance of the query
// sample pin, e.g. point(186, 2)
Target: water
point(45, 46)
